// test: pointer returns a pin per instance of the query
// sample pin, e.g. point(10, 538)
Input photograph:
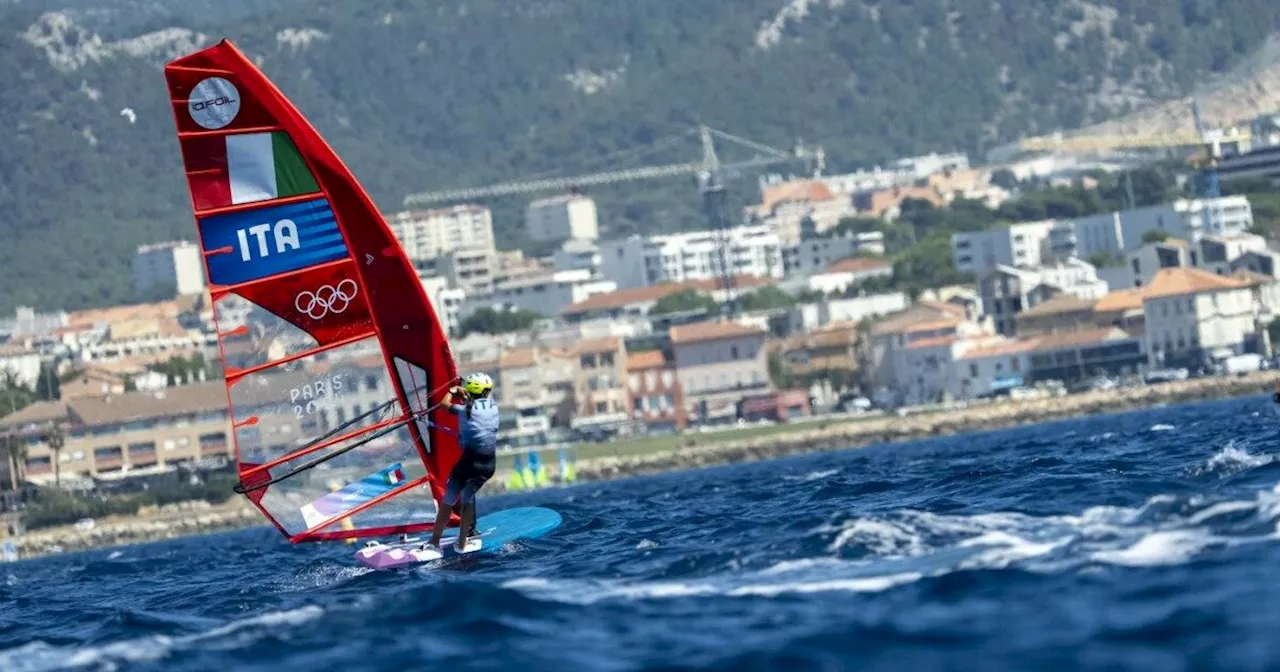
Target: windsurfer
point(478, 434)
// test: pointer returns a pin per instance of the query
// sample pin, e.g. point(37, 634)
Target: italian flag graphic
point(395, 476)
point(245, 168)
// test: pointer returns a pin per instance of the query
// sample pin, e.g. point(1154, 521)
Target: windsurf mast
point(334, 359)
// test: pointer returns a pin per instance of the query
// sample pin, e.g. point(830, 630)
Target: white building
point(577, 254)
point(1215, 254)
point(1007, 290)
point(177, 264)
point(815, 254)
point(21, 363)
point(841, 275)
point(428, 234)
point(546, 294)
point(696, 255)
point(799, 209)
point(1117, 233)
point(471, 270)
point(1018, 245)
point(1193, 317)
point(810, 316)
point(447, 301)
point(570, 216)
point(1111, 234)
point(27, 322)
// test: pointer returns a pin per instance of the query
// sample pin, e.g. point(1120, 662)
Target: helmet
point(477, 384)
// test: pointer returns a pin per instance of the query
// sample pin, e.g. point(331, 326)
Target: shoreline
point(840, 433)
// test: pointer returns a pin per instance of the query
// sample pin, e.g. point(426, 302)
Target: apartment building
point(602, 401)
point(846, 273)
point(1006, 291)
point(812, 255)
point(657, 400)
point(115, 435)
point(1215, 254)
point(177, 265)
point(638, 261)
point(717, 363)
point(566, 217)
point(426, 235)
point(1194, 317)
point(799, 207)
point(546, 293)
point(1016, 245)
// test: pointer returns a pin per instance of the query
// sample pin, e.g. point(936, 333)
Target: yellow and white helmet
point(477, 384)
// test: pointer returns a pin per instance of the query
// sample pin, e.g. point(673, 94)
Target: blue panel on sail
point(255, 244)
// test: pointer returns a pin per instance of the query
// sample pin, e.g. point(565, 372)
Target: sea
point(1136, 541)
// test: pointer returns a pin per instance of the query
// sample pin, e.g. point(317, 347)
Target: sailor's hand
point(455, 390)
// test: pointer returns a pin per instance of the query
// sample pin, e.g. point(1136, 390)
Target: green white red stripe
point(245, 168)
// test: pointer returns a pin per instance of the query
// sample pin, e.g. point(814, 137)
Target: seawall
point(190, 518)
point(843, 433)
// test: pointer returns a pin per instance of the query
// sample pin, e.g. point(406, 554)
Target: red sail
point(334, 357)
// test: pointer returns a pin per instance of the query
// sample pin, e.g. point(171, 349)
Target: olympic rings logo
point(326, 299)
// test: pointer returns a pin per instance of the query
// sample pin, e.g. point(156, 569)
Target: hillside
point(429, 94)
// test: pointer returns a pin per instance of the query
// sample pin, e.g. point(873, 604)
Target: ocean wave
point(39, 656)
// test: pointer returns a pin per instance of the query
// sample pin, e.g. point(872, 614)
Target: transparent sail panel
point(351, 478)
point(413, 506)
point(291, 406)
point(418, 388)
point(252, 336)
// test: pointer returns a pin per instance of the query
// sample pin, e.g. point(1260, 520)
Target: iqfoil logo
point(214, 103)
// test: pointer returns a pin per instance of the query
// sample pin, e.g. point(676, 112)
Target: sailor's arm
point(448, 402)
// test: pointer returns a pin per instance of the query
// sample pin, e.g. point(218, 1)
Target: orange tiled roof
point(624, 297)
point(1063, 303)
point(858, 265)
point(1178, 281)
point(932, 342)
point(604, 344)
point(710, 331)
point(1119, 300)
point(517, 358)
point(647, 359)
point(1078, 338)
point(801, 190)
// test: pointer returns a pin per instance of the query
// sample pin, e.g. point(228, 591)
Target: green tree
point(489, 321)
point(768, 297)
point(1154, 236)
point(48, 384)
point(683, 301)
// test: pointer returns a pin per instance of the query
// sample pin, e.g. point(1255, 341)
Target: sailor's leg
point(452, 496)
point(468, 515)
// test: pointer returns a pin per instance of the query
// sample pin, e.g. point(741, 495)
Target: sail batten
point(333, 387)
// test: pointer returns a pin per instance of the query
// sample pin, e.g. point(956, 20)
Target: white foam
point(814, 475)
point(871, 584)
point(1234, 460)
point(40, 656)
point(1161, 427)
point(1169, 547)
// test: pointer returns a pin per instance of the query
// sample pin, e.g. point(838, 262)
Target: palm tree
point(15, 450)
point(56, 441)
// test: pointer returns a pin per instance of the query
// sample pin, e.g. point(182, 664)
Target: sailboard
point(334, 359)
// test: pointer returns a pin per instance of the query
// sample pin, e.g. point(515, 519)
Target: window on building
point(973, 370)
point(733, 352)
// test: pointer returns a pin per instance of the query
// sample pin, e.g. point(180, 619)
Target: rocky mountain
point(431, 94)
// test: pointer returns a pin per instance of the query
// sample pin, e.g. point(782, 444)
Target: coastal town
point(788, 315)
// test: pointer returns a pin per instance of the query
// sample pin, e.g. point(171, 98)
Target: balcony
point(212, 448)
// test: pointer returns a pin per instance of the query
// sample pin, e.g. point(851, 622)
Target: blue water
point(1143, 541)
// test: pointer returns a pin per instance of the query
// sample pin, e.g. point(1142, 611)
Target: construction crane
point(708, 171)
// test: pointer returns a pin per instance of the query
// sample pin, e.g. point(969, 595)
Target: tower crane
point(709, 172)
